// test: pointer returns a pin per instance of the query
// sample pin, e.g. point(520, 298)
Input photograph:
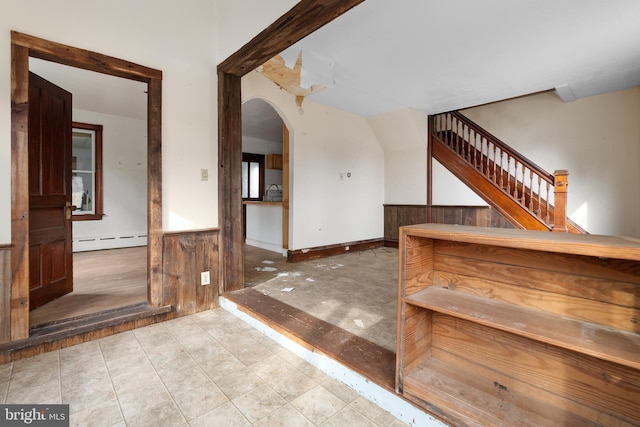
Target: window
point(252, 176)
point(86, 166)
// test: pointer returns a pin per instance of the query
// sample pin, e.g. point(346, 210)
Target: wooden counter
point(512, 327)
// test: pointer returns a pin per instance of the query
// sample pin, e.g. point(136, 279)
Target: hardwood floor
point(103, 280)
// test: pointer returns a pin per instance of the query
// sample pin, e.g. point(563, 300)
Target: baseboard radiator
point(129, 240)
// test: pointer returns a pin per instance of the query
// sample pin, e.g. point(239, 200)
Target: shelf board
point(595, 340)
point(578, 244)
point(465, 396)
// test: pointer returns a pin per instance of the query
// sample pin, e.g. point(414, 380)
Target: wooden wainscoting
point(396, 216)
point(5, 293)
point(479, 216)
point(185, 256)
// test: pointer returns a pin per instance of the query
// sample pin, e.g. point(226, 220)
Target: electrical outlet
point(205, 278)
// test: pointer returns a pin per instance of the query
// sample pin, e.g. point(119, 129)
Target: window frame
point(98, 211)
point(260, 159)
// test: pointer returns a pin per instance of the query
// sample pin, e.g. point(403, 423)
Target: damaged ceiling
point(384, 56)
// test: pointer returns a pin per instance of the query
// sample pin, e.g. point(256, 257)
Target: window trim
point(97, 199)
point(255, 158)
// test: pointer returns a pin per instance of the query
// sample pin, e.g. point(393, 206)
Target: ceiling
point(436, 56)
point(432, 56)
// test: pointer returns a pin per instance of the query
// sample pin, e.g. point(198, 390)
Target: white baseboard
point(83, 244)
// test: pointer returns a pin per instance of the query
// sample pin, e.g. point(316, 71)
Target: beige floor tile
point(226, 415)
point(245, 348)
point(348, 416)
point(198, 401)
point(182, 380)
point(318, 404)
point(36, 363)
point(372, 411)
point(165, 414)
point(258, 403)
point(285, 416)
point(287, 381)
point(182, 326)
point(143, 377)
point(106, 413)
point(142, 399)
point(238, 383)
point(340, 390)
point(38, 390)
point(84, 389)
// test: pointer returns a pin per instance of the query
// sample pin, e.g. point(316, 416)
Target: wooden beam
point(84, 59)
point(154, 192)
point(19, 312)
point(303, 19)
point(230, 180)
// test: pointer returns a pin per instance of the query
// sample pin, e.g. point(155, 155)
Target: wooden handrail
point(506, 148)
point(528, 184)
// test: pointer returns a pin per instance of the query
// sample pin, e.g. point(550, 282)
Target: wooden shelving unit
point(511, 327)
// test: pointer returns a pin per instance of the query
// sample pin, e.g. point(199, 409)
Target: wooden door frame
point(303, 19)
point(22, 47)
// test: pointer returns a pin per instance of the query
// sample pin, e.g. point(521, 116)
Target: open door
point(50, 249)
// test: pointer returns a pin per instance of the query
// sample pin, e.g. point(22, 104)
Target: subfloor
point(207, 369)
point(356, 291)
point(102, 280)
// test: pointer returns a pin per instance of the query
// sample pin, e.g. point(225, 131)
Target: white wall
point(403, 135)
point(175, 37)
point(597, 139)
point(326, 145)
point(237, 22)
point(124, 150)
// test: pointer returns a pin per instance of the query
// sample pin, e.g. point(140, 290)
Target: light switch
point(204, 174)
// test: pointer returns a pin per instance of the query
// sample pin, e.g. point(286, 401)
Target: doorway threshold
point(75, 330)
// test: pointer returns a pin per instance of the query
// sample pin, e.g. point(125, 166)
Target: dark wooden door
point(50, 251)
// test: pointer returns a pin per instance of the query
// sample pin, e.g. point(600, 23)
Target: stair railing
point(524, 181)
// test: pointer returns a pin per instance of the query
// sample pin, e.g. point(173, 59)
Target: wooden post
point(560, 200)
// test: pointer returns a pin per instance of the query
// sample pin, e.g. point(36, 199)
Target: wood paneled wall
point(396, 216)
point(184, 256)
point(5, 293)
point(480, 216)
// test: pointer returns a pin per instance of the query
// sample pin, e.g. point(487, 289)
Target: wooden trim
point(22, 47)
point(5, 293)
point(230, 180)
point(98, 202)
point(57, 335)
point(299, 255)
point(84, 59)
point(19, 312)
point(285, 186)
point(303, 19)
point(429, 167)
point(154, 192)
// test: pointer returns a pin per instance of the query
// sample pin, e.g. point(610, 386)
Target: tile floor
point(208, 369)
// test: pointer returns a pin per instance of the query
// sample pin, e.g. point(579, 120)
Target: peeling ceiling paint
point(288, 78)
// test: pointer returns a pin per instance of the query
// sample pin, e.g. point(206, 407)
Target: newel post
point(560, 200)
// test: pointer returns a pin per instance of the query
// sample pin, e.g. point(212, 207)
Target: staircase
point(524, 193)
